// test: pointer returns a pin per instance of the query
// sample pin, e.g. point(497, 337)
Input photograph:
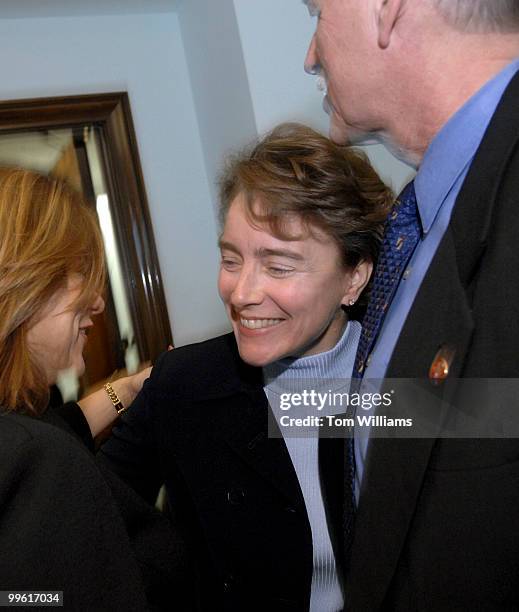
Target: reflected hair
point(480, 15)
point(295, 171)
point(47, 233)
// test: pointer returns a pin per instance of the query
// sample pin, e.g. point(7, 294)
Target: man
point(436, 81)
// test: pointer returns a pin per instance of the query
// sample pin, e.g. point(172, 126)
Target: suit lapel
point(395, 468)
point(445, 298)
point(441, 314)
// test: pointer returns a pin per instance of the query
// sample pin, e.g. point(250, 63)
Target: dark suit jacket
point(200, 426)
point(438, 522)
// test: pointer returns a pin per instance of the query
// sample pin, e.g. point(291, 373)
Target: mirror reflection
point(74, 155)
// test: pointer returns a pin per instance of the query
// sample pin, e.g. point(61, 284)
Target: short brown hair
point(294, 170)
point(47, 232)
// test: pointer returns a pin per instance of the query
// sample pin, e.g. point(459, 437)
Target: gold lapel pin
point(441, 364)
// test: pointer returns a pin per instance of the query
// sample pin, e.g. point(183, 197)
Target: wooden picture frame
point(111, 115)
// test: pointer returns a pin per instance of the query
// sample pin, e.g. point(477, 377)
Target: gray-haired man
point(436, 81)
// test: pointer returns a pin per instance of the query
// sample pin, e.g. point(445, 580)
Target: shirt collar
point(453, 148)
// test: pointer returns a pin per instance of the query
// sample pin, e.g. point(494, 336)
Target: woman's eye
point(276, 271)
point(229, 264)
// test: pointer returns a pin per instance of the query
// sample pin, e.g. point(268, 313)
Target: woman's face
point(283, 297)
point(58, 334)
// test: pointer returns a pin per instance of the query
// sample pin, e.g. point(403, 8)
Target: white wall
point(275, 35)
point(219, 80)
point(144, 55)
point(245, 62)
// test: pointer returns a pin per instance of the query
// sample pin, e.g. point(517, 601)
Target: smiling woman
point(301, 227)
point(302, 220)
point(284, 298)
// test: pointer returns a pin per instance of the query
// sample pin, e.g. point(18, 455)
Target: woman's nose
point(98, 305)
point(312, 65)
point(247, 289)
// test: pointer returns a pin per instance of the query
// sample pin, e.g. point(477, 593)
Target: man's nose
point(312, 65)
point(248, 290)
point(98, 305)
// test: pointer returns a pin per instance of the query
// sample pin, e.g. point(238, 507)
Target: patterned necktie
point(401, 235)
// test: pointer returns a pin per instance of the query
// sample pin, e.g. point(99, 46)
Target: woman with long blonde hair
point(60, 525)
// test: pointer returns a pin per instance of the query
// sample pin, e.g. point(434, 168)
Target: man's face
point(341, 50)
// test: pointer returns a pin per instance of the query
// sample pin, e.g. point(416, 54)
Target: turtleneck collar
point(337, 363)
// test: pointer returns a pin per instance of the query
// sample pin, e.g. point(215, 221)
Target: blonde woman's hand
point(137, 380)
point(97, 406)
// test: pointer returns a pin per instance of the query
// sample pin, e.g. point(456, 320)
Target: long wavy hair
point(47, 233)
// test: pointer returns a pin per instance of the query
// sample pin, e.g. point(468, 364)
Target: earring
point(351, 302)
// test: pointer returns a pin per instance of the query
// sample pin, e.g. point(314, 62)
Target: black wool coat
point(67, 526)
point(200, 426)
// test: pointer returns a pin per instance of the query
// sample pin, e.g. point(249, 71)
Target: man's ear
point(388, 12)
point(359, 278)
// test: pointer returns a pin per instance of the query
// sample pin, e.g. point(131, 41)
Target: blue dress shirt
point(437, 185)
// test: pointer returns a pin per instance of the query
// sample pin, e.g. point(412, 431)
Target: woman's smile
point(257, 324)
point(283, 297)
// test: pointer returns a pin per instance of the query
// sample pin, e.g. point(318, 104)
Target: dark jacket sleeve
point(59, 527)
point(131, 451)
point(179, 379)
point(158, 547)
point(130, 455)
point(156, 544)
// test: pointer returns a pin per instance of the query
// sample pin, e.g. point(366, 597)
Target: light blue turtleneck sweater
point(330, 370)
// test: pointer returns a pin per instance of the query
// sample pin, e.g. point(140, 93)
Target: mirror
point(89, 141)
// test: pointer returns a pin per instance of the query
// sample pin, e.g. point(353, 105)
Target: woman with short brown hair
point(302, 220)
point(296, 171)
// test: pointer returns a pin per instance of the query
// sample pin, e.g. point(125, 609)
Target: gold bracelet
point(114, 398)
